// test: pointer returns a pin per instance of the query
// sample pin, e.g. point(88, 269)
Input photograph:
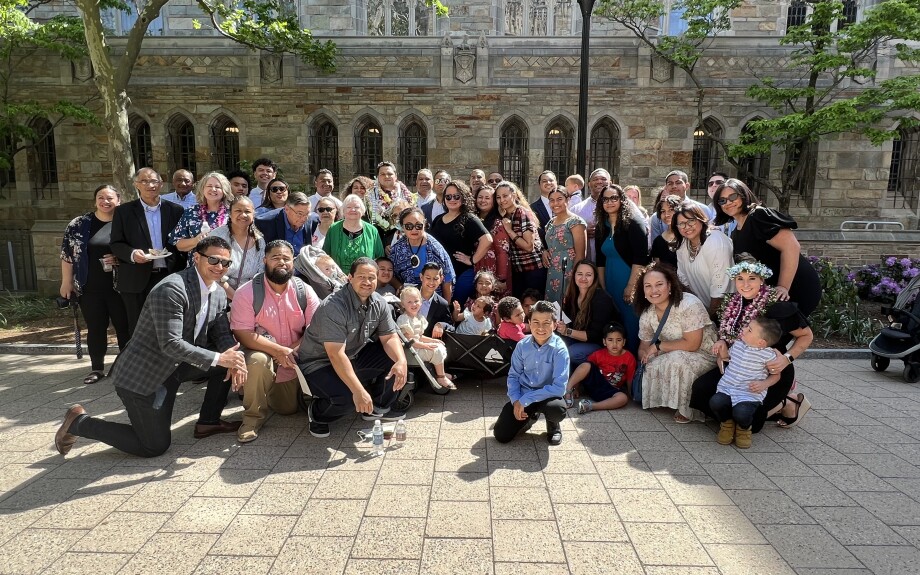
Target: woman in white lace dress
point(682, 351)
point(704, 255)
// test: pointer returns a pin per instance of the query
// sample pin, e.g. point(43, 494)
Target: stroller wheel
point(912, 372)
point(404, 401)
point(879, 363)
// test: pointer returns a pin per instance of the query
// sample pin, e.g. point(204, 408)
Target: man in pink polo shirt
point(271, 337)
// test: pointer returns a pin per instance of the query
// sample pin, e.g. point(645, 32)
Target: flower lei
point(221, 214)
point(378, 203)
point(735, 315)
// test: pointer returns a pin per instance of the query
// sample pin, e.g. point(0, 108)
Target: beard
point(279, 275)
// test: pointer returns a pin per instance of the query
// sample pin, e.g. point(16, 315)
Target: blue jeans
point(742, 413)
point(464, 286)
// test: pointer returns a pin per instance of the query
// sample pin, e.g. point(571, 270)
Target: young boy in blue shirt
point(536, 380)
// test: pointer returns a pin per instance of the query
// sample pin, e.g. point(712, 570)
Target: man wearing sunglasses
point(182, 325)
point(435, 208)
point(716, 179)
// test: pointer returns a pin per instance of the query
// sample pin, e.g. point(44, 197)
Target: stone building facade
point(494, 85)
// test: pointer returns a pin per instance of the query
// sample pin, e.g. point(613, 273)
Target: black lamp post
point(587, 6)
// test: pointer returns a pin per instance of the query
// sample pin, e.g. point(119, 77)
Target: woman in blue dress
point(621, 245)
point(416, 248)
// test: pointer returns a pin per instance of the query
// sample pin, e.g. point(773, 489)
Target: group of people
point(589, 285)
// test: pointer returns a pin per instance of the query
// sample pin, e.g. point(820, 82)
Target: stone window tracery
point(413, 149)
point(758, 165)
point(605, 147)
point(225, 144)
point(368, 147)
point(706, 157)
point(141, 143)
point(399, 18)
point(181, 145)
point(513, 151)
point(557, 148)
point(537, 18)
point(904, 171)
point(43, 161)
point(324, 147)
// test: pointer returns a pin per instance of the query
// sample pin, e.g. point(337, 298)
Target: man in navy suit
point(288, 223)
point(138, 226)
point(183, 321)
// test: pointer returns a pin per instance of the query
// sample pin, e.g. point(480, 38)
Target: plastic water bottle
point(378, 438)
point(205, 228)
point(399, 434)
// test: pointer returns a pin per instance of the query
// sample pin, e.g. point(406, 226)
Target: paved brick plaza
point(625, 493)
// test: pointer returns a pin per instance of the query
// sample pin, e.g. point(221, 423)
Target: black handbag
point(636, 387)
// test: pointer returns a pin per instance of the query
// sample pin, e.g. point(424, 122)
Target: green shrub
point(16, 309)
point(839, 313)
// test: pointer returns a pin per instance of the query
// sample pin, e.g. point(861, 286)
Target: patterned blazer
point(165, 334)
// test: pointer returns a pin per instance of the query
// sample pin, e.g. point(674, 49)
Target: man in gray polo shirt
point(350, 352)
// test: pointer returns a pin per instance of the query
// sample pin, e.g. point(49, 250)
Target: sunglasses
point(729, 198)
point(449, 197)
point(493, 182)
point(716, 183)
point(611, 199)
point(214, 261)
point(325, 210)
point(410, 227)
point(277, 189)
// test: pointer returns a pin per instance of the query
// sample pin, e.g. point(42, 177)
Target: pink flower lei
point(221, 213)
point(735, 315)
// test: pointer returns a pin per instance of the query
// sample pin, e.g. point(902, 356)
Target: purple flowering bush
point(884, 281)
point(839, 312)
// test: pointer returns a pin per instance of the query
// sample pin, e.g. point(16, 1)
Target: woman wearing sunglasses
point(416, 248)
point(463, 235)
point(327, 212)
point(767, 236)
point(275, 197)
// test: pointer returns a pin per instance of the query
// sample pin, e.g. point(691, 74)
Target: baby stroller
point(305, 267)
point(901, 339)
point(488, 355)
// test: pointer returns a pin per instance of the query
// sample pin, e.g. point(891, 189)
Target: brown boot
point(743, 438)
point(726, 432)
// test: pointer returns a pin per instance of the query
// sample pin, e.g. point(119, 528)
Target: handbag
point(636, 386)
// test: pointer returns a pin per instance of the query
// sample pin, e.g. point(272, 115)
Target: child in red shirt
point(605, 376)
point(512, 315)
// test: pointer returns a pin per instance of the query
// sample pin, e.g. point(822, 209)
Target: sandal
point(569, 398)
point(585, 405)
point(446, 382)
point(802, 407)
point(93, 377)
point(678, 418)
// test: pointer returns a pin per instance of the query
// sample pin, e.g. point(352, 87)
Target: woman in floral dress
point(566, 239)
point(498, 258)
point(213, 208)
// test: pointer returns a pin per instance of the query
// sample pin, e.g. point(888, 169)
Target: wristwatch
point(568, 332)
point(788, 356)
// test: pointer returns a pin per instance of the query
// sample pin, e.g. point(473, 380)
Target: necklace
point(693, 251)
point(736, 315)
point(414, 260)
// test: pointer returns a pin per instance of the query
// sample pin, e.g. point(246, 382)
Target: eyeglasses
point(149, 182)
point(687, 224)
point(611, 199)
point(216, 261)
point(449, 197)
point(493, 182)
point(729, 198)
point(410, 227)
point(325, 210)
point(301, 214)
point(716, 183)
point(277, 189)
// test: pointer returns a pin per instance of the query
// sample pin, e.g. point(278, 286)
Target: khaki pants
point(262, 392)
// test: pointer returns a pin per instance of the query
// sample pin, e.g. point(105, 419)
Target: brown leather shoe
point(63, 440)
point(202, 431)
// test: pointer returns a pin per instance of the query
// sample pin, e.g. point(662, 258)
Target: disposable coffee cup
point(106, 267)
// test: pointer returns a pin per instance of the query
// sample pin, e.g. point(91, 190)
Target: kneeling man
point(351, 353)
point(268, 318)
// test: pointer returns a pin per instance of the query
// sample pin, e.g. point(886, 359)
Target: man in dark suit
point(183, 321)
point(434, 307)
point(435, 207)
point(138, 226)
point(541, 209)
point(288, 223)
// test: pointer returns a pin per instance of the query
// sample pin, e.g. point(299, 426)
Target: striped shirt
point(746, 364)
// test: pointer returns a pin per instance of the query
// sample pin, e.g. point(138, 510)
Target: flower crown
point(751, 267)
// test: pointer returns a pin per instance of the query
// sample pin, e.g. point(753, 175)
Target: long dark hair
point(748, 200)
point(583, 317)
point(489, 219)
point(267, 200)
point(252, 230)
point(691, 211)
point(627, 212)
point(640, 304)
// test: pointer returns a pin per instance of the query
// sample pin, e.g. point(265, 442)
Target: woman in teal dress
point(566, 240)
point(621, 245)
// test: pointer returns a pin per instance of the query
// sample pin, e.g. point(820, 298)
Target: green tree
point(21, 38)
point(829, 86)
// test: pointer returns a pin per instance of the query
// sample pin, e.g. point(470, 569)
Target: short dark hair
point(211, 242)
point(106, 187)
point(383, 259)
point(770, 329)
point(614, 328)
point(531, 293)
point(264, 162)
point(431, 266)
point(721, 174)
point(323, 172)
point(544, 306)
point(240, 174)
point(362, 261)
point(278, 244)
point(507, 305)
point(385, 164)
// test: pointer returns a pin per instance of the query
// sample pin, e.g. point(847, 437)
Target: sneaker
point(553, 433)
point(585, 405)
point(388, 415)
point(317, 429)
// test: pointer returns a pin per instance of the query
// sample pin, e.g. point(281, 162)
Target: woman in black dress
point(766, 235)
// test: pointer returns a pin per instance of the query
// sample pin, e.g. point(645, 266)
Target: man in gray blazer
point(183, 320)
